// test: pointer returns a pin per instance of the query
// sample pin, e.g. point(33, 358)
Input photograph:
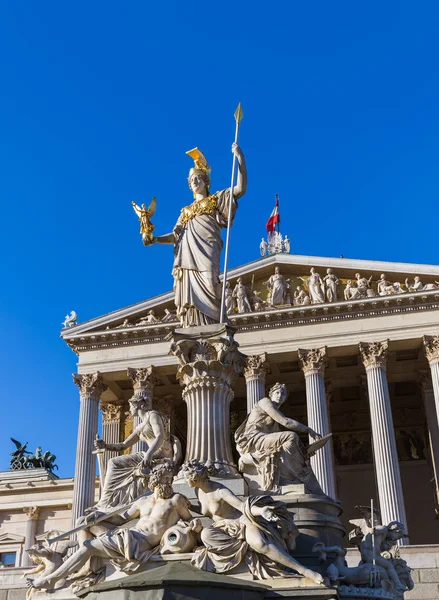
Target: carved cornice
point(110, 412)
point(374, 354)
point(90, 385)
point(144, 379)
point(32, 512)
point(277, 317)
point(313, 361)
point(256, 366)
point(431, 348)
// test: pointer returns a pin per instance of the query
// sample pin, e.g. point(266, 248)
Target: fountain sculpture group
point(287, 529)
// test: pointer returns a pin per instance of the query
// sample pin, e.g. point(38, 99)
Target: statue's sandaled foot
point(314, 576)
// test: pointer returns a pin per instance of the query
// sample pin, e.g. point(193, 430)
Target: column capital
point(90, 384)
point(431, 348)
point(110, 412)
point(374, 354)
point(32, 512)
point(256, 366)
point(313, 361)
point(144, 378)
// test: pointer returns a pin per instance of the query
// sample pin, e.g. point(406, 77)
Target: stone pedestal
point(374, 356)
point(32, 513)
point(91, 387)
point(313, 364)
point(144, 380)
point(256, 369)
point(209, 360)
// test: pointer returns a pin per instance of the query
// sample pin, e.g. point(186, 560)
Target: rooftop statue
point(23, 459)
point(277, 288)
point(279, 456)
point(197, 242)
point(258, 531)
point(70, 320)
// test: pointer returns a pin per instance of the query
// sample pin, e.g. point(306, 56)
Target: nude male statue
point(156, 512)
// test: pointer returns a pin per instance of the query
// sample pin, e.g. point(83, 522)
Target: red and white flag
point(274, 218)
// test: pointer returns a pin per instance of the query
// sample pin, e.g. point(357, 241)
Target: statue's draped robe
point(225, 545)
point(277, 284)
point(198, 246)
point(279, 456)
point(123, 481)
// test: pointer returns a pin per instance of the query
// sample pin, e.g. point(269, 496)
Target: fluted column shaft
point(313, 365)
point(31, 529)
point(431, 347)
point(256, 369)
point(90, 389)
point(208, 439)
point(144, 380)
point(388, 475)
point(111, 415)
point(433, 426)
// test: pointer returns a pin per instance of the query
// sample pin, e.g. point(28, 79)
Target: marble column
point(256, 369)
point(111, 415)
point(209, 359)
point(374, 357)
point(431, 347)
point(313, 364)
point(32, 513)
point(426, 385)
point(144, 381)
point(91, 387)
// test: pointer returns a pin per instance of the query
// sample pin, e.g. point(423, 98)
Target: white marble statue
point(198, 243)
point(263, 247)
point(132, 546)
point(258, 530)
point(230, 299)
point(279, 455)
point(275, 243)
point(417, 285)
point(70, 320)
point(127, 475)
point(256, 301)
point(301, 298)
point(364, 289)
point(169, 316)
point(331, 283)
point(277, 288)
point(316, 287)
point(286, 245)
point(240, 294)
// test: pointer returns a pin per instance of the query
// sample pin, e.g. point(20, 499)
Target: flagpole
point(223, 317)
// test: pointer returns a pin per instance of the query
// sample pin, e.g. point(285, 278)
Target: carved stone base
point(317, 519)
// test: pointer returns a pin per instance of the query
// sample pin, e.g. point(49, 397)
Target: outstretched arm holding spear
point(236, 191)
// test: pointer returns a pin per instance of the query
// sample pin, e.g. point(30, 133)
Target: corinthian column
point(426, 384)
point(374, 357)
point(144, 380)
point(256, 368)
point(91, 387)
point(32, 513)
point(111, 414)
point(313, 364)
point(431, 347)
point(209, 360)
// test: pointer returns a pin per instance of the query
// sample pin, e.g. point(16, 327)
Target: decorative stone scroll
point(90, 385)
point(374, 354)
point(209, 360)
point(111, 412)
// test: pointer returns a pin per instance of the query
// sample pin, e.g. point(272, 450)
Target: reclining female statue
point(258, 530)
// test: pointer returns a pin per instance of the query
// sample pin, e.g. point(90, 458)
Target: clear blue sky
point(99, 102)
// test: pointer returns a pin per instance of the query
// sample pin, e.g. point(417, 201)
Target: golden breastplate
point(205, 206)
